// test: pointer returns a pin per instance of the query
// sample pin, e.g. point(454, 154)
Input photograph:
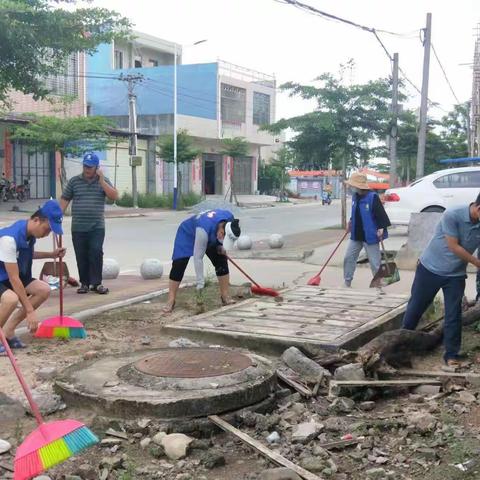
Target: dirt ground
point(387, 440)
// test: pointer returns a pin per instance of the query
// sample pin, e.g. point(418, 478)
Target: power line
point(445, 74)
point(372, 30)
point(329, 16)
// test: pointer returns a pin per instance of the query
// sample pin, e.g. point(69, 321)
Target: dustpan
point(387, 273)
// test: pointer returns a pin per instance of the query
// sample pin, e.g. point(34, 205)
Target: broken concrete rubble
point(309, 371)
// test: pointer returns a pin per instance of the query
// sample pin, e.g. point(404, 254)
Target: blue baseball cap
point(52, 210)
point(91, 160)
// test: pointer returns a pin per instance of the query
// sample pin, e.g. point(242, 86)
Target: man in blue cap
point(88, 192)
point(16, 281)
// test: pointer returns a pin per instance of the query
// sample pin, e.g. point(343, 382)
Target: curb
point(90, 312)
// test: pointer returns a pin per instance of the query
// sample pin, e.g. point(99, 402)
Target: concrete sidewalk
point(123, 288)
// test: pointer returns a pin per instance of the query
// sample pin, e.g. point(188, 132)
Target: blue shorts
point(6, 285)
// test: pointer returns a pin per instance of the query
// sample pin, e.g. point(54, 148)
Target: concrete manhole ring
point(193, 363)
point(207, 381)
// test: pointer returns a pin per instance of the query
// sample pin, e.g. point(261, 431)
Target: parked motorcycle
point(23, 191)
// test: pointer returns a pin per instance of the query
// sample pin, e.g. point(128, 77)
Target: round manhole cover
point(193, 363)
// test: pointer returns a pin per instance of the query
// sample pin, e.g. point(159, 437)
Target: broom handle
point(333, 253)
point(18, 373)
point(243, 271)
point(60, 263)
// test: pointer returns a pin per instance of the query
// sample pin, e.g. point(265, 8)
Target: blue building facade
point(197, 89)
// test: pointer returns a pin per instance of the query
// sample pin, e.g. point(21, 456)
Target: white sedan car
point(434, 193)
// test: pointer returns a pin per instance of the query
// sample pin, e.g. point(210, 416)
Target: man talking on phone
point(88, 192)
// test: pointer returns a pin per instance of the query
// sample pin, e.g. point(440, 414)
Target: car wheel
point(434, 209)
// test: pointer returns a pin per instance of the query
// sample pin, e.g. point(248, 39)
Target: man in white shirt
point(16, 282)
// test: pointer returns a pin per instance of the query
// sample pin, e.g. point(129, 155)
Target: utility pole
point(422, 132)
point(344, 193)
point(394, 129)
point(175, 160)
point(132, 80)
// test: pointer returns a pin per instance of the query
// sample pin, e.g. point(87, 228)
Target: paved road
point(130, 240)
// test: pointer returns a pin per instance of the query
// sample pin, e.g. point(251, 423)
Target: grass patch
point(152, 200)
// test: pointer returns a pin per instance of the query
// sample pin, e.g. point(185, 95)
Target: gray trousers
point(351, 256)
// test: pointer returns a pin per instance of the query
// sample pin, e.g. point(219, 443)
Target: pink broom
point(51, 443)
point(61, 326)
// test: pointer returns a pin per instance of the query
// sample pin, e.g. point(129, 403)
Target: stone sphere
point(276, 241)
point(244, 242)
point(111, 269)
point(151, 268)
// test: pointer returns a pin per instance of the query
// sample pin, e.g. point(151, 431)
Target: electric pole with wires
point(394, 126)
point(422, 131)
point(135, 161)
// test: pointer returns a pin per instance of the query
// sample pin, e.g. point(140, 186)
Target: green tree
point(273, 175)
point(235, 148)
point(68, 136)
point(446, 138)
point(342, 127)
point(186, 152)
point(37, 36)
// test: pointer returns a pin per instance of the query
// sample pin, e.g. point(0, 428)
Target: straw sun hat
point(358, 180)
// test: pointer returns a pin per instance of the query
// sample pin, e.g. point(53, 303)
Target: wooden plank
point(301, 389)
point(347, 292)
point(312, 311)
point(251, 317)
point(384, 302)
point(374, 327)
point(284, 324)
point(272, 330)
point(262, 449)
point(433, 373)
point(301, 313)
point(336, 385)
point(287, 341)
point(345, 304)
point(339, 444)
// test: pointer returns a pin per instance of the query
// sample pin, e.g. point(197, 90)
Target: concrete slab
point(317, 317)
point(120, 385)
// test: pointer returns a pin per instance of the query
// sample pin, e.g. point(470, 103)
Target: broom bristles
point(53, 453)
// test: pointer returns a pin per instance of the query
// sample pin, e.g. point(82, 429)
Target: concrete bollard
point(111, 269)
point(151, 268)
point(276, 241)
point(244, 242)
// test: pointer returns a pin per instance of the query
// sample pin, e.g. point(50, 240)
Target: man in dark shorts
point(16, 282)
point(211, 233)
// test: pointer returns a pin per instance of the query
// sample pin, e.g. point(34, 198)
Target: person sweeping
point(368, 226)
point(16, 281)
point(209, 233)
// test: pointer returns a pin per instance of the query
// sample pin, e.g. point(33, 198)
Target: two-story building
point(214, 101)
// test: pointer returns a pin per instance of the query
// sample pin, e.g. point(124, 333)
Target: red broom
point(51, 443)
point(61, 326)
point(316, 279)
point(256, 288)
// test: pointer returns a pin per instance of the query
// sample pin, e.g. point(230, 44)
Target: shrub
point(152, 200)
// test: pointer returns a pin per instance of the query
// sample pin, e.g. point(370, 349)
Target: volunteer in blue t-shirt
point(16, 282)
point(443, 266)
point(209, 233)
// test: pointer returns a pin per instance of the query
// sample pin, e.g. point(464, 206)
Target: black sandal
point(100, 289)
point(83, 289)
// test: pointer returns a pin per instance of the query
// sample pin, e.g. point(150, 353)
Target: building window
point(118, 59)
point(137, 63)
point(261, 108)
point(66, 84)
point(152, 63)
point(233, 103)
